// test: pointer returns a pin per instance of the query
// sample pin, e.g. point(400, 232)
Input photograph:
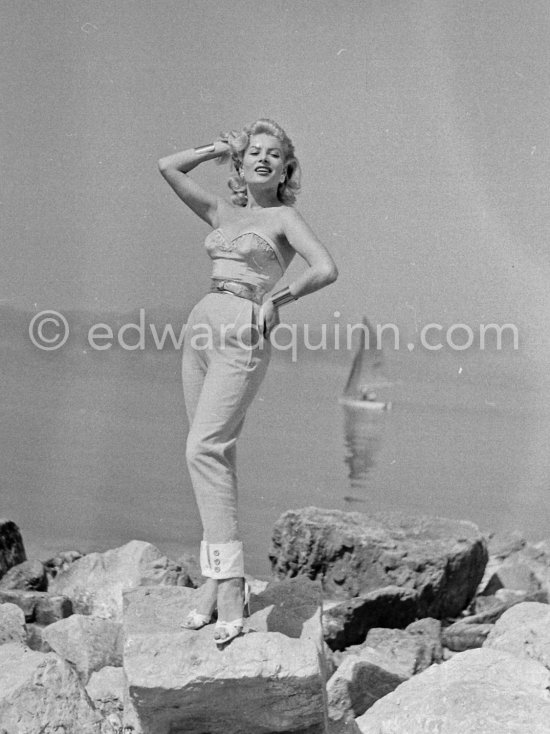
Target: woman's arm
point(175, 168)
point(322, 269)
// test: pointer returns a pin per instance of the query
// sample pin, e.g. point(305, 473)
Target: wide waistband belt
point(243, 290)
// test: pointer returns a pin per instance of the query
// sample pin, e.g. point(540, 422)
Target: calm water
point(93, 447)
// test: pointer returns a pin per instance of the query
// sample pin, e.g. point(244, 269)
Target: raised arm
point(175, 168)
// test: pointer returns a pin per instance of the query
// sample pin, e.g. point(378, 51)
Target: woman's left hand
point(269, 318)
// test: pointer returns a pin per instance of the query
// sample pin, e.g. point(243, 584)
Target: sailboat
point(366, 375)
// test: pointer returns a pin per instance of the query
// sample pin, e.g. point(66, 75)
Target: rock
point(360, 681)
point(41, 693)
point(406, 652)
point(503, 545)
point(347, 623)
point(189, 563)
point(35, 638)
point(88, 643)
point(51, 608)
point(476, 692)
point(291, 604)
point(61, 562)
point(524, 631)
point(29, 576)
point(12, 550)
point(179, 681)
point(12, 624)
point(38, 606)
point(346, 725)
point(512, 574)
point(462, 635)
point(440, 560)
point(429, 631)
point(95, 581)
point(106, 689)
point(526, 568)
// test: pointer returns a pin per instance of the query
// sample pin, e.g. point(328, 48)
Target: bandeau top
point(247, 258)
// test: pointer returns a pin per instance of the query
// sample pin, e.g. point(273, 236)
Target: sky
point(421, 127)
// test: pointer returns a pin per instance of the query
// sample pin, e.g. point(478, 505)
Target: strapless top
point(247, 258)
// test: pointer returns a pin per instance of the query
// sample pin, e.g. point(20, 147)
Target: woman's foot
point(232, 600)
point(201, 615)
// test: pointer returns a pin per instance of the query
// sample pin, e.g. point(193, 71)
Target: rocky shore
point(372, 624)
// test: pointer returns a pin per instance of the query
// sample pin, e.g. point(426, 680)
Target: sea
point(93, 445)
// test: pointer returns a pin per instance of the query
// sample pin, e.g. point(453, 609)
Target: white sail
point(367, 370)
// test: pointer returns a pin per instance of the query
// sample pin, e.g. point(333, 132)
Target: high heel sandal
point(235, 627)
point(196, 620)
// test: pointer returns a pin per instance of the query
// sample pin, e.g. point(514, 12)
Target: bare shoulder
point(294, 226)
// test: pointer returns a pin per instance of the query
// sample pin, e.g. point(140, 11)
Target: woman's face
point(263, 160)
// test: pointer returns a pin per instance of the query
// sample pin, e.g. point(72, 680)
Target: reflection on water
point(363, 435)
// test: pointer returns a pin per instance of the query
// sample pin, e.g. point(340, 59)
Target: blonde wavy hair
point(238, 143)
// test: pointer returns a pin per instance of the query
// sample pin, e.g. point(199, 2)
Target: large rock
point(61, 562)
point(95, 582)
point(441, 560)
point(428, 630)
point(346, 623)
point(41, 693)
point(524, 630)
point(29, 576)
point(12, 550)
point(476, 692)
point(12, 624)
point(178, 681)
point(35, 638)
point(88, 643)
point(462, 635)
point(519, 566)
point(38, 606)
point(360, 681)
point(407, 652)
point(106, 689)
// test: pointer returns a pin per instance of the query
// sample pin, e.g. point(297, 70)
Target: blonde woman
point(226, 350)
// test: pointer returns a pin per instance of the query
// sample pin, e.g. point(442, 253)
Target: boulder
point(95, 581)
point(41, 693)
point(406, 652)
point(12, 624)
point(463, 635)
point(429, 631)
point(35, 638)
point(61, 562)
point(12, 550)
point(476, 692)
point(524, 567)
point(106, 689)
point(523, 630)
point(29, 576)
point(88, 643)
point(502, 545)
point(513, 573)
point(38, 606)
point(346, 623)
point(178, 680)
point(361, 680)
point(441, 561)
point(290, 604)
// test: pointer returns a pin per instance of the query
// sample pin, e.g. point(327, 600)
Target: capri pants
point(224, 362)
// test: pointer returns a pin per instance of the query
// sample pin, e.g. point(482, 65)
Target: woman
point(254, 238)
